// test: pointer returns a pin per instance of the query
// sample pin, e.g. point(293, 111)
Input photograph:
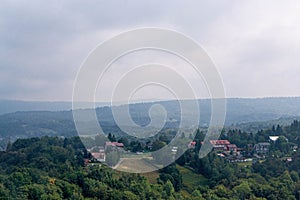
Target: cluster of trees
point(289, 136)
point(272, 178)
point(53, 168)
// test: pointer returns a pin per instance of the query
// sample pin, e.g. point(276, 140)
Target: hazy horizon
point(146, 100)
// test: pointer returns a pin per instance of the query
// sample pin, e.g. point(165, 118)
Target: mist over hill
point(10, 106)
point(56, 119)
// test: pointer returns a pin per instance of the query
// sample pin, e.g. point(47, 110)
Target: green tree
point(196, 195)
point(4, 192)
point(242, 191)
point(168, 188)
point(157, 145)
point(112, 158)
point(128, 195)
point(100, 140)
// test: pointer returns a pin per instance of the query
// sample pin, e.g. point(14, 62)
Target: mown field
point(135, 165)
point(190, 179)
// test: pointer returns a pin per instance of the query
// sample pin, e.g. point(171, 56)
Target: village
point(223, 148)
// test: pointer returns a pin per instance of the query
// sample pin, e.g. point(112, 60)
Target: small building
point(219, 144)
point(273, 138)
point(294, 147)
point(86, 161)
point(192, 145)
point(100, 156)
point(236, 158)
point(231, 147)
point(114, 145)
point(262, 147)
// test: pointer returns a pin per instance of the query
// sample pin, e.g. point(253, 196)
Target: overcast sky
point(254, 44)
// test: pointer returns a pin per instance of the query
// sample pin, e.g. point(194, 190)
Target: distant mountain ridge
point(10, 106)
point(54, 122)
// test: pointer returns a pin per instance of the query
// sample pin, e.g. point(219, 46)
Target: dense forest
point(55, 168)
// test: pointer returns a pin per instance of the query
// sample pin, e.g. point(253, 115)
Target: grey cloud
point(43, 44)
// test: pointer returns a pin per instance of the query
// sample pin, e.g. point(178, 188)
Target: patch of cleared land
point(151, 176)
point(190, 179)
point(135, 165)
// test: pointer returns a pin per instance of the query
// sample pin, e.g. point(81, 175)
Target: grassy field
point(135, 165)
point(131, 155)
point(151, 176)
point(190, 179)
point(245, 164)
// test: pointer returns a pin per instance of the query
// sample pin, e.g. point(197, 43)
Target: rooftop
point(114, 144)
point(218, 142)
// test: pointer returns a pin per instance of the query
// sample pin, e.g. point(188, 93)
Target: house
point(273, 138)
point(231, 147)
point(237, 158)
point(99, 155)
point(114, 145)
point(192, 145)
point(294, 147)
point(262, 147)
point(219, 144)
point(86, 161)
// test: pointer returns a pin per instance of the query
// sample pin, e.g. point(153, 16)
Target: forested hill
point(52, 168)
point(58, 123)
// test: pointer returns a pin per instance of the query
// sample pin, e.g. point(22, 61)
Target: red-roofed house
point(116, 145)
point(220, 144)
point(231, 147)
point(192, 144)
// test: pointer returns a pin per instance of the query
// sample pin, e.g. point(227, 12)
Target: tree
point(242, 191)
point(137, 147)
point(9, 145)
point(4, 192)
point(100, 140)
point(172, 174)
point(157, 145)
point(111, 137)
point(182, 135)
point(168, 188)
point(124, 140)
point(222, 191)
point(128, 195)
point(196, 195)
point(164, 138)
point(112, 158)
point(35, 191)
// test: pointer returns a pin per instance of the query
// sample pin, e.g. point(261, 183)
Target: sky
point(255, 45)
